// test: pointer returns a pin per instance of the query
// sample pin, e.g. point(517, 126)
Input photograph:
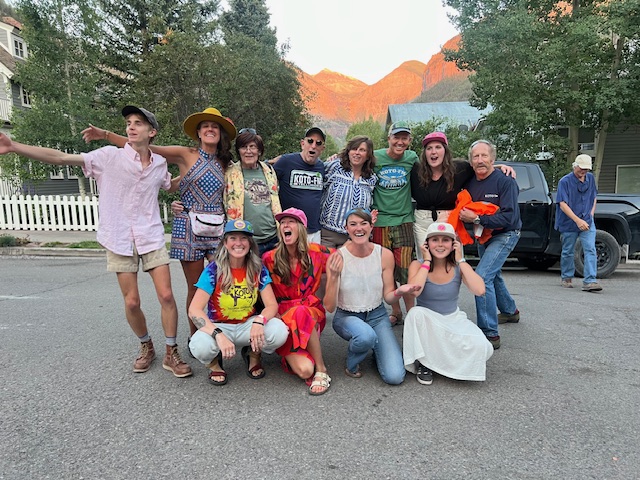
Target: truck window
point(522, 177)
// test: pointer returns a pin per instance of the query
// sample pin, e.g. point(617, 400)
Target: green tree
point(250, 18)
point(545, 64)
point(369, 128)
point(60, 74)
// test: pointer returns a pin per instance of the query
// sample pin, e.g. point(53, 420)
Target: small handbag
point(206, 224)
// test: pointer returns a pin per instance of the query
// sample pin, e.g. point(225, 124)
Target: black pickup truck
point(617, 219)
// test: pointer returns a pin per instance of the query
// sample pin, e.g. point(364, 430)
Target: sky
point(364, 39)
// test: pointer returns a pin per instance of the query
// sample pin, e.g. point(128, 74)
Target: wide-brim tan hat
point(190, 125)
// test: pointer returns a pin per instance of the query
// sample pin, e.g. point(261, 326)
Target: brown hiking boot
point(147, 355)
point(174, 363)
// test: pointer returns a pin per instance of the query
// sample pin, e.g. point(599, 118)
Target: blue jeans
point(371, 330)
point(567, 264)
point(493, 254)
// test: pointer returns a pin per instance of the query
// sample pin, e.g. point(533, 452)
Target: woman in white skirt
point(438, 336)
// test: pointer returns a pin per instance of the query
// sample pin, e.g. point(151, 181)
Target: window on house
point(18, 48)
point(57, 174)
point(628, 179)
point(71, 172)
point(26, 98)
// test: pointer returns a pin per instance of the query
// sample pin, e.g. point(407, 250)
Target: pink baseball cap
point(294, 213)
point(435, 137)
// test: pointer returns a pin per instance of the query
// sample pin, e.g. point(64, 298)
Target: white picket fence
point(26, 212)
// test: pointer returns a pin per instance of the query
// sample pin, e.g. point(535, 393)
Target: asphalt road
point(562, 397)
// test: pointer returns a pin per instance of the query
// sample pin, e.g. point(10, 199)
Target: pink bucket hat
point(294, 213)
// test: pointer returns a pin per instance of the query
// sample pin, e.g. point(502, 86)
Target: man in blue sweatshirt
point(491, 186)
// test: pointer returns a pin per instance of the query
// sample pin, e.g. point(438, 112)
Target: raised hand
point(92, 133)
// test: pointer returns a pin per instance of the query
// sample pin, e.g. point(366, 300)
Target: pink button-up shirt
point(129, 210)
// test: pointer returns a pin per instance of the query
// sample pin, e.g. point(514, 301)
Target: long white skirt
point(451, 345)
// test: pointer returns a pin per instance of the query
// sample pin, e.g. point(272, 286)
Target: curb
point(51, 252)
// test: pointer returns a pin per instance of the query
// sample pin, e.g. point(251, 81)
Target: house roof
point(460, 113)
point(7, 60)
point(13, 22)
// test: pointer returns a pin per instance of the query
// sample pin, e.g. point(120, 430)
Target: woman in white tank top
point(358, 280)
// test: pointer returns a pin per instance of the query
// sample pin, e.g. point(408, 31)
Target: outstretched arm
point(391, 294)
point(41, 154)
point(92, 133)
point(174, 154)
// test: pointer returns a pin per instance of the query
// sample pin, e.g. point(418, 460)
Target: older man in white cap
point(576, 203)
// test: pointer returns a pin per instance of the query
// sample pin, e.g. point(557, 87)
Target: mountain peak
point(340, 98)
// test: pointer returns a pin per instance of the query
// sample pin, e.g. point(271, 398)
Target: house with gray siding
point(13, 98)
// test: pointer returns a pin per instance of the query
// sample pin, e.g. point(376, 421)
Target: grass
point(85, 244)
point(52, 244)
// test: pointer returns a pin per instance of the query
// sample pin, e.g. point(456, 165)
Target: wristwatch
point(216, 332)
point(462, 260)
point(476, 221)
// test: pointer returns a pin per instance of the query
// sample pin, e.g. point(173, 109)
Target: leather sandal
point(246, 356)
point(320, 379)
point(398, 319)
point(218, 373)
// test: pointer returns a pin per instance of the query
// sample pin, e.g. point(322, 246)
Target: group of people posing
point(270, 231)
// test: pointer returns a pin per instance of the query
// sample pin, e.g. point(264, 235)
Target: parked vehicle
point(617, 220)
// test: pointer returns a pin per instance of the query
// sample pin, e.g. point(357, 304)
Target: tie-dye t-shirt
point(237, 305)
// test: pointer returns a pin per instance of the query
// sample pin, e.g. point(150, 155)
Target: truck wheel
point(607, 252)
point(539, 264)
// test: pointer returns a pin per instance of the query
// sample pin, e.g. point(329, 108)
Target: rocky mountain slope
point(337, 98)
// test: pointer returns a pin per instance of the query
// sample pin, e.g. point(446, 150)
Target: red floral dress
point(298, 305)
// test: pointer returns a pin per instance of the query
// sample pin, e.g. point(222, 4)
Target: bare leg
point(409, 301)
point(161, 277)
point(303, 367)
point(192, 271)
point(128, 282)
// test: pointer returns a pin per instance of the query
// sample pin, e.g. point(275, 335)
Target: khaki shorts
point(121, 263)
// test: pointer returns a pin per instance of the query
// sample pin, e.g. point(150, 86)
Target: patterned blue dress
point(201, 191)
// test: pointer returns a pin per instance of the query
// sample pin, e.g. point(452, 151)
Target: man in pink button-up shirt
point(130, 227)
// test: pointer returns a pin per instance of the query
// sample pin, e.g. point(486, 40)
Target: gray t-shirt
point(257, 205)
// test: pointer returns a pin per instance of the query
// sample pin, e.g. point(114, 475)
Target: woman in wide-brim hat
point(201, 185)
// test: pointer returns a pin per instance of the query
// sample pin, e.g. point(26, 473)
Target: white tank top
point(361, 281)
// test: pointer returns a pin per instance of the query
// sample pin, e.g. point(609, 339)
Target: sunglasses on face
point(311, 140)
point(250, 130)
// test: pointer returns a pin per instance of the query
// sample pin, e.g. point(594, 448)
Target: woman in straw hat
point(437, 335)
point(201, 186)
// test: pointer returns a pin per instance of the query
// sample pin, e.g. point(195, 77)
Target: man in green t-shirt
point(392, 199)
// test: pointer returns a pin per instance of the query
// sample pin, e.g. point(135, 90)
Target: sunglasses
point(250, 130)
point(311, 140)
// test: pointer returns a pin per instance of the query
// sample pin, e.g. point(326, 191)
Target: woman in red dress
point(296, 268)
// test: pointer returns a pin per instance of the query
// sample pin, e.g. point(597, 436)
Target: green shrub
point(8, 241)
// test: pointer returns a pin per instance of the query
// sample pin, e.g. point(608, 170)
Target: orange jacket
point(479, 208)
